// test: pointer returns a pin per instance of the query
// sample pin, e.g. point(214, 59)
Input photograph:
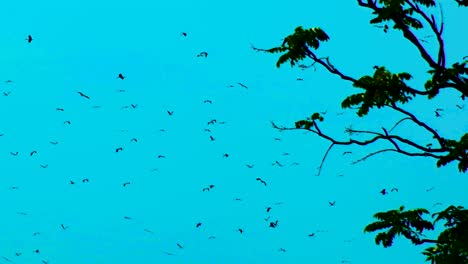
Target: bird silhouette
point(161, 156)
point(211, 122)
point(268, 209)
point(262, 181)
point(347, 152)
point(277, 163)
point(207, 130)
point(277, 139)
point(72, 182)
point(125, 184)
point(32, 153)
point(436, 204)
point(133, 140)
point(437, 113)
point(250, 166)
point(128, 218)
point(274, 224)
point(394, 190)
point(208, 101)
point(120, 76)
point(311, 235)
point(53, 142)
point(205, 189)
point(183, 34)
point(332, 203)
point(29, 38)
point(83, 95)
point(59, 109)
point(170, 112)
point(243, 85)
point(180, 246)
point(6, 93)
point(148, 231)
point(211, 237)
point(282, 250)
point(198, 225)
point(85, 180)
point(118, 149)
point(299, 79)
point(44, 166)
point(383, 192)
point(14, 153)
point(225, 155)
point(64, 227)
point(203, 54)
point(240, 230)
point(67, 122)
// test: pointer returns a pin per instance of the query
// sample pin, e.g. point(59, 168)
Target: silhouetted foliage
point(384, 89)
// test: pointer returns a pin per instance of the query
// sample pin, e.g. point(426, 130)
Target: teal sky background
point(82, 46)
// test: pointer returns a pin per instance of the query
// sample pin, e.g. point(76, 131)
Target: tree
point(384, 89)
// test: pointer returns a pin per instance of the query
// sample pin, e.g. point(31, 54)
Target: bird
point(161, 156)
point(436, 204)
point(44, 166)
point(243, 85)
point(294, 163)
point(37, 251)
point(240, 230)
point(67, 122)
point(83, 95)
point(211, 122)
point(437, 113)
point(211, 237)
point(6, 93)
point(183, 34)
point(274, 224)
point(262, 181)
point(212, 138)
point(203, 54)
point(53, 142)
point(282, 250)
point(347, 152)
point(460, 107)
point(207, 130)
point(198, 225)
point(277, 139)
point(85, 180)
point(250, 166)
point(383, 192)
point(63, 226)
point(311, 235)
point(128, 218)
point(29, 38)
point(225, 155)
point(125, 184)
point(299, 79)
point(6, 259)
point(208, 101)
point(277, 162)
point(394, 190)
point(332, 203)
point(120, 76)
point(72, 182)
point(180, 246)
point(14, 153)
point(148, 231)
point(430, 189)
point(118, 149)
point(268, 209)
point(170, 112)
point(205, 189)
point(33, 152)
point(59, 109)
point(133, 140)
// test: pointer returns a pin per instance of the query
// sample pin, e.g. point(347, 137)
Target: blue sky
point(81, 46)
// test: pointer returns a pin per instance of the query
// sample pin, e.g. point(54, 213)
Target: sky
point(168, 159)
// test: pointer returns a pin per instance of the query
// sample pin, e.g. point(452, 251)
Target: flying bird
point(249, 166)
point(282, 250)
point(243, 85)
point(67, 122)
point(14, 153)
point(198, 225)
point(170, 112)
point(118, 149)
point(6, 93)
point(277, 162)
point(212, 138)
point(83, 95)
point(53, 142)
point(394, 190)
point(240, 230)
point(347, 152)
point(332, 203)
point(203, 54)
point(44, 166)
point(120, 76)
point(274, 224)
point(85, 180)
point(208, 101)
point(161, 156)
point(125, 184)
point(63, 226)
point(183, 34)
point(180, 246)
point(29, 39)
point(32, 153)
point(383, 192)
point(128, 218)
point(225, 155)
point(311, 235)
point(133, 140)
point(268, 209)
point(262, 181)
point(59, 109)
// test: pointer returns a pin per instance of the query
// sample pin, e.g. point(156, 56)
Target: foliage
point(384, 89)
